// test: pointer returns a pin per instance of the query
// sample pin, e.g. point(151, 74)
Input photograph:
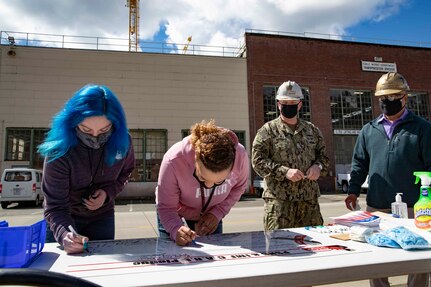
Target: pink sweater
point(178, 192)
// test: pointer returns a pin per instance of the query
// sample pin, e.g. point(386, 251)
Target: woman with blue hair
point(88, 160)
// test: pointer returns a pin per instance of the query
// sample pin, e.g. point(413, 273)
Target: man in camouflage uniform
point(289, 153)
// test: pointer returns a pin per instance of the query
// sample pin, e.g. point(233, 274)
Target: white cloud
point(390, 8)
point(215, 22)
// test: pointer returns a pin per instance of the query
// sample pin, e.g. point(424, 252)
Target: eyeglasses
point(391, 97)
point(202, 182)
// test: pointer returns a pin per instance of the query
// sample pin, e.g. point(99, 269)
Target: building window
point(22, 143)
point(38, 136)
point(149, 146)
point(241, 137)
point(418, 103)
point(343, 150)
point(350, 109)
point(185, 132)
point(270, 110)
point(239, 134)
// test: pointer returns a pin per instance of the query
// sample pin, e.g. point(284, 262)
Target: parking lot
point(137, 218)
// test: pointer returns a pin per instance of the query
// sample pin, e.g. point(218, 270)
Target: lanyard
point(202, 184)
point(205, 205)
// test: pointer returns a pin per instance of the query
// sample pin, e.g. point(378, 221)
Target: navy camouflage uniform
point(276, 149)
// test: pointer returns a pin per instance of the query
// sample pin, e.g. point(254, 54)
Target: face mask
point(92, 141)
point(289, 111)
point(391, 108)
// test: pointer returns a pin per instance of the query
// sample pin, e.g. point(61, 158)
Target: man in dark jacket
point(389, 149)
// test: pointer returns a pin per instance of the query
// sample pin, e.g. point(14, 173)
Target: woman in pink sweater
point(200, 179)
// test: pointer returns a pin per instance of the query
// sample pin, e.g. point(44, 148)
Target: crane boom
point(186, 46)
point(133, 24)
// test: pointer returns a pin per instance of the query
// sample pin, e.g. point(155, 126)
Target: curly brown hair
point(213, 146)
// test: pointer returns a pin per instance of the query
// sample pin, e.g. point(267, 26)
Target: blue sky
point(411, 23)
point(221, 22)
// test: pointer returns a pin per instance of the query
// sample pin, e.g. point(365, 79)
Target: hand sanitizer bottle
point(399, 208)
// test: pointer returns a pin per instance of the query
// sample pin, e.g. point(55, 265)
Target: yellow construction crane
point(133, 24)
point(186, 46)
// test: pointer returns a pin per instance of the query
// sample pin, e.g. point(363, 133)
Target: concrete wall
point(158, 91)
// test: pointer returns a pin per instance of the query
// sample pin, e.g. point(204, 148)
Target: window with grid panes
point(22, 143)
point(38, 136)
point(185, 132)
point(149, 146)
point(350, 109)
point(419, 104)
point(270, 110)
point(138, 146)
point(343, 148)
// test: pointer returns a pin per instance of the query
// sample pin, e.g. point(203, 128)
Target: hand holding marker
point(186, 225)
point(84, 239)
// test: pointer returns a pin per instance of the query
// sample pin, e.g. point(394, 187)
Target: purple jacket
point(65, 179)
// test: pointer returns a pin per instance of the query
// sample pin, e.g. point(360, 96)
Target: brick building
point(164, 93)
point(338, 79)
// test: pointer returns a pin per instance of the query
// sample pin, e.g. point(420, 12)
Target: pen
point(85, 244)
point(186, 225)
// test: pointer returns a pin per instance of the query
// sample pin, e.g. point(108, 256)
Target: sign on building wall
point(378, 67)
point(346, 132)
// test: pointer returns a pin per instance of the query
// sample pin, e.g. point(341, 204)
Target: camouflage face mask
point(92, 141)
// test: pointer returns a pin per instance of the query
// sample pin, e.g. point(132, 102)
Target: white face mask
point(92, 141)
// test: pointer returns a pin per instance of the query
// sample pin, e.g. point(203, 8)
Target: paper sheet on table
point(359, 217)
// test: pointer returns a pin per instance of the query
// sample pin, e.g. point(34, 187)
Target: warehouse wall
point(158, 91)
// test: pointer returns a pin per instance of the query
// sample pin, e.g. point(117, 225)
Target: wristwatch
point(319, 165)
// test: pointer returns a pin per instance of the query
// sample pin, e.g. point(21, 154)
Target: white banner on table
point(159, 260)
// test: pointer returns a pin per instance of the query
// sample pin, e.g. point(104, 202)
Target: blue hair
point(91, 100)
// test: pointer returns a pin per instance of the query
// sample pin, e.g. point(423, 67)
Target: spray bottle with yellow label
point(422, 208)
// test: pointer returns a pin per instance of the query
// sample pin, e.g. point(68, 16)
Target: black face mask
point(391, 108)
point(289, 111)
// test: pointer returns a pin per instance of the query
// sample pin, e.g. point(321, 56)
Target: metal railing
point(347, 38)
point(112, 44)
point(122, 44)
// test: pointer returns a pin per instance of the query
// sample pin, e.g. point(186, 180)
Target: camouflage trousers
point(280, 214)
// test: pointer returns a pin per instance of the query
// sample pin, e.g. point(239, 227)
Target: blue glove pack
point(398, 237)
point(379, 239)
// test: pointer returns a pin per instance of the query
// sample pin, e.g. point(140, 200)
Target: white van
point(20, 184)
